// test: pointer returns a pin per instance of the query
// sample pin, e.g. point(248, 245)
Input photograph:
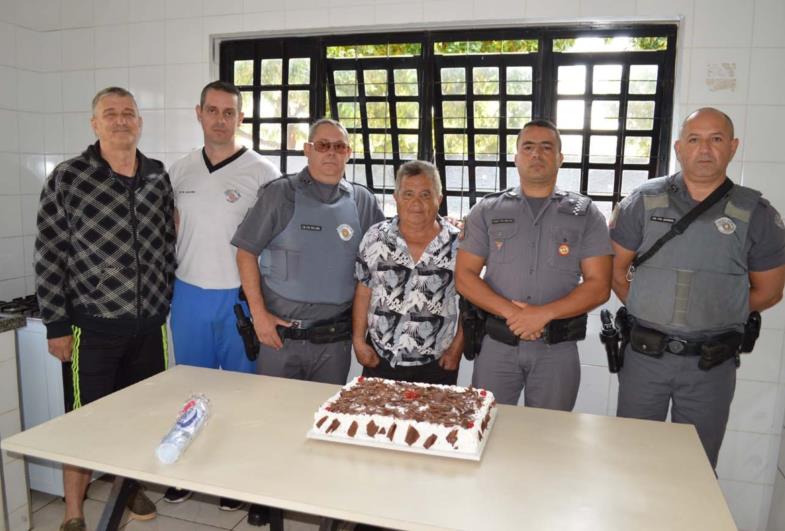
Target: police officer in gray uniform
point(305, 230)
point(536, 243)
point(690, 300)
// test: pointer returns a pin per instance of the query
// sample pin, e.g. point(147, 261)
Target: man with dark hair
point(104, 268)
point(690, 300)
point(547, 257)
point(214, 187)
point(405, 299)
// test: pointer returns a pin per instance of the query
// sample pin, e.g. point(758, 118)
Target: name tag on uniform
point(662, 219)
point(502, 220)
point(305, 226)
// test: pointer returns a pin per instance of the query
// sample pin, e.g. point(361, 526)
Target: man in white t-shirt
point(214, 187)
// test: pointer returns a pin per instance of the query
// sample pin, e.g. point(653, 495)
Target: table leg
point(276, 519)
point(328, 524)
point(115, 505)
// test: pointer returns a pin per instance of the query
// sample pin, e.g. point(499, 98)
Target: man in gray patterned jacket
point(104, 266)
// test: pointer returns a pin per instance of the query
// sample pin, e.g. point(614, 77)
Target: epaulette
point(359, 185)
point(281, 178)
point(574, 204)
point(509, 192)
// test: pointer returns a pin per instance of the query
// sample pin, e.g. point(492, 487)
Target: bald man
point(690, 300)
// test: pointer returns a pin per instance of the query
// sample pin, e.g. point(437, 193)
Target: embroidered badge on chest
point(232, 195)
point(564, 249)
point(725, 225)
point(345, 232)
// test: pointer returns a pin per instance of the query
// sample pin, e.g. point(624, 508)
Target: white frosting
point(468, 439)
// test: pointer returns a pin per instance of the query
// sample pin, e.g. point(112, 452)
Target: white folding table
point(540, 470)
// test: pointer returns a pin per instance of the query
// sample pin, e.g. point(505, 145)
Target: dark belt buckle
point(676, 345)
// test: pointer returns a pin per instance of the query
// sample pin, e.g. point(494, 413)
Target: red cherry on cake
point(483, 392)
point(361, 379)
point(470, 425)
point(410, 394)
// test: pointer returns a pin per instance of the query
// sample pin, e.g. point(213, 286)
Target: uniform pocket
point(501, 238)
point(562, 250)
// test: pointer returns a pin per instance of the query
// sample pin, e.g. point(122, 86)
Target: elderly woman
point(405, 312)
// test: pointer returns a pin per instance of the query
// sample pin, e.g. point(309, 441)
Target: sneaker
point(140, 507)
point(174, 495)
point(228, 504)
point(74, 524)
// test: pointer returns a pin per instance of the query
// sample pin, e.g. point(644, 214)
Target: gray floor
point(199, 513)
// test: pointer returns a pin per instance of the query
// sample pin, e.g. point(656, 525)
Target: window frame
point(543, 97)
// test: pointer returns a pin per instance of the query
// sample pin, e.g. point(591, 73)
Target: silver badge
point(345, 232)
point(725, 225)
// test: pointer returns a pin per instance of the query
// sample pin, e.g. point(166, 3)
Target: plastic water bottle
point(189, 422)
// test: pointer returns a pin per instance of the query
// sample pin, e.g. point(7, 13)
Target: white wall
point(55, 54)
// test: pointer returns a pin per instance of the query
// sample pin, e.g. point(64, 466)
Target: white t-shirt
point(211, 204)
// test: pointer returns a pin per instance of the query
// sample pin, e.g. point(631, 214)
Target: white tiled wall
point(54, 54)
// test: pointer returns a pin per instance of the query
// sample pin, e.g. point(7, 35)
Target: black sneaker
point(174, 495)
point(258, 515)
point(228, 504)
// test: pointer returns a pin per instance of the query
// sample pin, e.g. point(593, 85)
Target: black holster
point(611, 337)
point(473, 321)
point(247, 333)
point(751, 332)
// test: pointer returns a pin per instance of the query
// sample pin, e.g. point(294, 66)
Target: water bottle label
point(188, 415)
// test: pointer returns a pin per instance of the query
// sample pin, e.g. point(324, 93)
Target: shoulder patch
point(574, 204)
point(778, 221)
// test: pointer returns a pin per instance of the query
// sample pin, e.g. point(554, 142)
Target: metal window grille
point(459, 98)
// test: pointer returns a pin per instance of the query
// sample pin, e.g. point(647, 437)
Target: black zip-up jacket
point(104, 255)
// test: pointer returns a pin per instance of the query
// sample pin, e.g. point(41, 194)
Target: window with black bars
point(459, 100)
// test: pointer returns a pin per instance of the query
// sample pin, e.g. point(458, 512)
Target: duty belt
point(653, 342)
point(556, 331)
point(332, 330)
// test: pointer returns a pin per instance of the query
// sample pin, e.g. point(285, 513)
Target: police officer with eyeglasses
point(303, 235)
point(296, 252)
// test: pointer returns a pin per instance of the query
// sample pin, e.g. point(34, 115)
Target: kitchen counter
point(11, 322)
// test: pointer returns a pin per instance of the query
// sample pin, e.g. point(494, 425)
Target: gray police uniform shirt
point(534, 257)
point(762, 248)
point(270, 216)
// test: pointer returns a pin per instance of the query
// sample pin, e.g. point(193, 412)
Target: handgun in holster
point(473, 321)
point(751, 332)
point(247, 333)
point(610, 337)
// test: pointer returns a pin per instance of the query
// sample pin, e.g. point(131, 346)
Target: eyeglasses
point(323, 146)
